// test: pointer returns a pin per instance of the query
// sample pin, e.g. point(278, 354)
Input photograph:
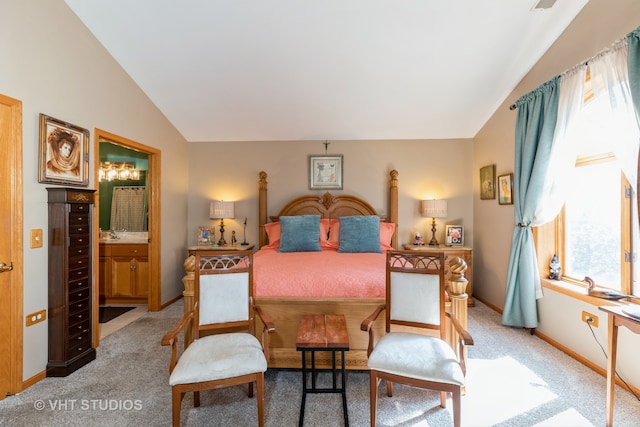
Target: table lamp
point(219, 209)
point(435, 209)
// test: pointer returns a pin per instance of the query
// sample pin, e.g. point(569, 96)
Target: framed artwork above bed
point(325, 172)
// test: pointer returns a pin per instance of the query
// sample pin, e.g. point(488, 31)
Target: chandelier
point(118, 170)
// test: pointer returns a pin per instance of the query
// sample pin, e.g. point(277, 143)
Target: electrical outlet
point(37, 317)
point(589, 318)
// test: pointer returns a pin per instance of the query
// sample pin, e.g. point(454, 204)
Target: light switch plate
point(36, 238)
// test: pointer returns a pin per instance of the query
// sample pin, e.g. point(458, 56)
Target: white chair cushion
point(219, 356)
point(416, 356)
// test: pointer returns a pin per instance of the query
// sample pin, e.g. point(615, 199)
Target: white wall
point(427, 169)
point(53, 64)
point(598, 25)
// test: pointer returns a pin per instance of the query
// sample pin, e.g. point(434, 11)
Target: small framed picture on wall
point(505, 189)
point(488, 182)
point(325, 172)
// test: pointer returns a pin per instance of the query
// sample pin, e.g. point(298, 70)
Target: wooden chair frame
point(423, 262)
point(219, 262)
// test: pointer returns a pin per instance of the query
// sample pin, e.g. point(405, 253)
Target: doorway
point(153, 191)
point(11, 255)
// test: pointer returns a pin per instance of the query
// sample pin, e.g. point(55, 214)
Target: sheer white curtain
point(610, 80)
point(559, 178)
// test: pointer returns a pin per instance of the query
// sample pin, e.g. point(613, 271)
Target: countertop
point(129, 237)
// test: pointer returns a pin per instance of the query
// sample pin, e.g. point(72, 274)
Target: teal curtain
point(633, 40)
point(535, 127)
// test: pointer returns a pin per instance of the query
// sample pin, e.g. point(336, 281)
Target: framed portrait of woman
point(63, 154)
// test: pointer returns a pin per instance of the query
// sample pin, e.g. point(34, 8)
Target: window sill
point(579, 292)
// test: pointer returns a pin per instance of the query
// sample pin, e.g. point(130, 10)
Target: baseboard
point(571, 353)
point(171, 301)
point(488, 304)
point(34, 379)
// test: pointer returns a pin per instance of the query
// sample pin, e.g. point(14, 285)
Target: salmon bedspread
point(324, 274)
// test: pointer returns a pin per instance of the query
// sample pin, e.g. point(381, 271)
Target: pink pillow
point(325, 226)
point(334, 234)
point(386, 233)
point(273, 233)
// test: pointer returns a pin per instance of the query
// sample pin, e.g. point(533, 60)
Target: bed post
point(262, 209)
point(393, 205)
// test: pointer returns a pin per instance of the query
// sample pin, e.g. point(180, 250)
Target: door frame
point(14, 152)
point(154, 174)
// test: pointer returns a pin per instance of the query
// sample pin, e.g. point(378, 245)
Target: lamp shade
point(436, 208)
point(219, 209)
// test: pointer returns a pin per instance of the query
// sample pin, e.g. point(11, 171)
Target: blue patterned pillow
point(300, 233)
point(359, 234)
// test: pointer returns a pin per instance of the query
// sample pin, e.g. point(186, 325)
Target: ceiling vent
point(544, 4)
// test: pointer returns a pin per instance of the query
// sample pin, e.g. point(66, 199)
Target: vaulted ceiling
point(236, 70)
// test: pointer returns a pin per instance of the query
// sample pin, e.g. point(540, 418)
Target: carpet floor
point(513, 379)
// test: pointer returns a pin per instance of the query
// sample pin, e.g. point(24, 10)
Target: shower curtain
point(129, 208)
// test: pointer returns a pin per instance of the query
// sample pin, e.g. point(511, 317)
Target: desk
point(326, 332)
point(616, 318)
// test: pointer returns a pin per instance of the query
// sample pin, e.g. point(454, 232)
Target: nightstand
point(463, 252)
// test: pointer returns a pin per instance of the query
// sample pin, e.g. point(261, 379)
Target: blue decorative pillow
point(360, 234)
point(300, 233)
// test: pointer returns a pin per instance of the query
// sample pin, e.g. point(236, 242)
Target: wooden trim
point(585, 361)
point(154, 158)
point(393, 205)
point(34, 379)
point(171, 301)
point(591, 300)
point(15, 200)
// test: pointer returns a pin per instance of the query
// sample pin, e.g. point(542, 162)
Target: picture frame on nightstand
point(205, 236)
point(454, 235)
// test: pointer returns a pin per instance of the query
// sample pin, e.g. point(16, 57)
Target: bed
point(286, 304)
point(285, 297)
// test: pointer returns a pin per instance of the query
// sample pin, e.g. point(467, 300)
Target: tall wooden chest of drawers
point(70, 280)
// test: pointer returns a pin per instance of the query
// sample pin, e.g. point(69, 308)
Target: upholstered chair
point(224, 352)
point(413, 350)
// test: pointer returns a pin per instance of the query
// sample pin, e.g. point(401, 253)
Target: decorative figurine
point(594, 291)
point(417, 241)
point(244, 234)
point(554, 268)
point(233, 238)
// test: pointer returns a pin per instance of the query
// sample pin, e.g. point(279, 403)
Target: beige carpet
point(514, 379)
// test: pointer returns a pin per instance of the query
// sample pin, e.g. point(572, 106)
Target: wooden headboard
point(327, 206)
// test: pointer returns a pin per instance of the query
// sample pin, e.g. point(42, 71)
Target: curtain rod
point(130, 187)
point(615, 45)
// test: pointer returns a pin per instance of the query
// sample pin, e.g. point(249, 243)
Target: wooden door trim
point(154, 157)
point(16, 221)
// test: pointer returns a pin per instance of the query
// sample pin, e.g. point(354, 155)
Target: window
point(593, 231)
point(593, 224)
